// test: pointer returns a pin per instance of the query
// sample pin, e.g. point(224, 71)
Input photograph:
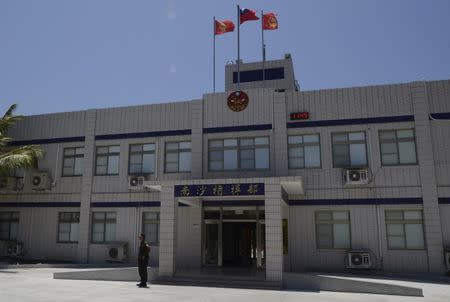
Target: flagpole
point(263, 47)
point(214, 54)
point(238, 47)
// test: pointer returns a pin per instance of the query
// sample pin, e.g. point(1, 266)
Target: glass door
point(211, 244)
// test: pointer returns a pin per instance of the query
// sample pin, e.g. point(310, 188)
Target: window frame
point(332, 222)
point(141, 153)
point(177, 151)
point(105, 220)
point(14, 217)
point(396, 141)
point(348, 142)
point(303, 147)
point(74, 156)
point(151, 221)
point(107, 155)
point(70, 221)
point(239, 148)
point(404, 222)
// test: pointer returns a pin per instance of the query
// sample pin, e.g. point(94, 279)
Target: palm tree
point(15, 157)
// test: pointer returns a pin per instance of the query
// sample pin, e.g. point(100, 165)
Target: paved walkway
point(38, 285)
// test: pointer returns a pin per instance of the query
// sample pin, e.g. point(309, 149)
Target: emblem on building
point(237, 101)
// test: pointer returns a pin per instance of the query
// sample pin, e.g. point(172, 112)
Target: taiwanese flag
point(270, 21)
point(247, 15)
point(222, 27)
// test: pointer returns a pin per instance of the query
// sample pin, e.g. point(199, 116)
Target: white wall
point(365, 229)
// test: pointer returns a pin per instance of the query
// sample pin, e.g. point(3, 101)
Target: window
point(103, 227)
point(257, 75)
point(73, 161)
point(68, 226)
point(349, 149)
point(107, 161)
point(404, 229)
point(239, 154)
point(151, 226)
point(178, 157)
point(9, 225)
point(398, 147)
point(142, 159)
point(304, 151)
point(333, 229)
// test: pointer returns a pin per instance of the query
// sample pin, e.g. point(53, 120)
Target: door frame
point(259, 224)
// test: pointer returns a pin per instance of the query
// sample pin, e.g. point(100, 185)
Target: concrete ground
point(37, 284)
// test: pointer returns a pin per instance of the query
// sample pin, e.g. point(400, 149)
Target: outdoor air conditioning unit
point(117, 252)
point(8, 184)
point(15, 250)
point(447, 258)
point(359, 259)
point(40, 181)
point(356, 176)
point(136, 182)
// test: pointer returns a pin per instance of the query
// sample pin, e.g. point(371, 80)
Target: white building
point(292, 182)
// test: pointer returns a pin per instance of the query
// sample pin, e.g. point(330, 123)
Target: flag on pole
point(222, 27)
point(270, 21)
point(247, 15)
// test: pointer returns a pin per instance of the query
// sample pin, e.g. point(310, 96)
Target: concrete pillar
point(167, 231)
point(274, 230)
point(86, 187)
point(432, 222)
point(280, 134)
point(197, 139)
point(196, 236)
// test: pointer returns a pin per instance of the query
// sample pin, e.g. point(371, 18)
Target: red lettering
point(299, 115)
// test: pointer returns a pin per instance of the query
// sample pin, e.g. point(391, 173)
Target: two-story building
point(275, 179)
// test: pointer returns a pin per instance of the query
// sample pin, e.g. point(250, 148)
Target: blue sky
point(60, 55)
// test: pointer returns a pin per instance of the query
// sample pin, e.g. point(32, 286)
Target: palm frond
point(21, 157)
point(8, 119)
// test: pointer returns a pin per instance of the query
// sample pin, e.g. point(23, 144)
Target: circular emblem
point(237, 101)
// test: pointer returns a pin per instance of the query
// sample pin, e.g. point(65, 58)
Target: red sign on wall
point(299, 116)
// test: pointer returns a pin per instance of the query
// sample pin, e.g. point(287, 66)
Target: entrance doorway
point(239, 244)
point(233, 237)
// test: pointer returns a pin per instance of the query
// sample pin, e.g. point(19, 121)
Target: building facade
point(292, 182)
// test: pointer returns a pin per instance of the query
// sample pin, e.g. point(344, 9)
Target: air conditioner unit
point(40, 181)
point(359, 259)
point(447, 258)
point(15, 250)
point(356, 176)
point(116, 252)
point(8, 184)
point(136, 182)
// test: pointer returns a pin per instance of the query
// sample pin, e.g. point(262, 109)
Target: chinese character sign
point(244, 189)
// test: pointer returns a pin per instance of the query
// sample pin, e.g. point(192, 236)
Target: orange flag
point(222, 27)
point(270, 21)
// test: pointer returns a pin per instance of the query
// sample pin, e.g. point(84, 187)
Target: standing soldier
point(144, 250)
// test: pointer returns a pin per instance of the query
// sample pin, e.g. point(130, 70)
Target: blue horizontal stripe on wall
point(39, 204)
point(48, 141)
point(353, 121)
point(444, 200)
point(214, 203)
point(441, 115)
point(359, 201)
point(125, 204)
point(238, 128)
point(143, 134)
